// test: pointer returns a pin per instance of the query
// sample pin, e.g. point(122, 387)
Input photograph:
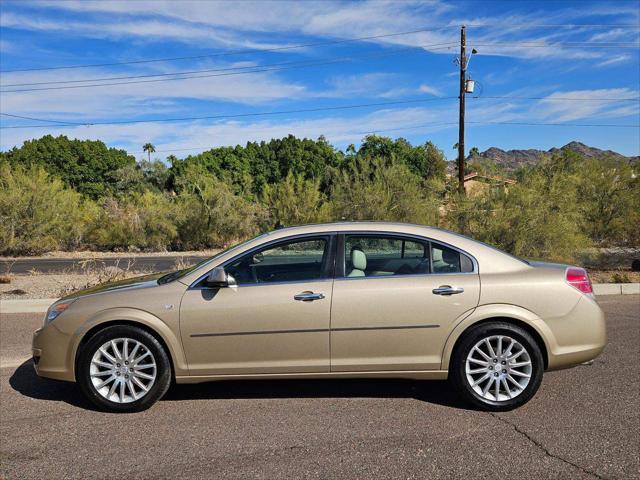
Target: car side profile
point(353, 299)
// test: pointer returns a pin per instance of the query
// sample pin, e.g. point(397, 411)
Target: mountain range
point(512, 160)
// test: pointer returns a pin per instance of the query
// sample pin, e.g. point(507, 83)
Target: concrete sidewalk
point(40, 305)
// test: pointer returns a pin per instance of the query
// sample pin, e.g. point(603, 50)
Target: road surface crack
point(544, 449)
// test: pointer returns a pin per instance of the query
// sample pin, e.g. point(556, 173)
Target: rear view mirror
point(218, 278)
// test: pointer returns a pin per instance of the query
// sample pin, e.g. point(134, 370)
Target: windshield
point(175, 275)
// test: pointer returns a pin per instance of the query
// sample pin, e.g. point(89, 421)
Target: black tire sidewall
point(473, 336)
point(163, 368)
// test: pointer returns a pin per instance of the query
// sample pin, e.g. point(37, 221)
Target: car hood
point(145, 281)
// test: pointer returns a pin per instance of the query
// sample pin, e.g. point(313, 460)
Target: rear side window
point(378, 256)
point(448, 260)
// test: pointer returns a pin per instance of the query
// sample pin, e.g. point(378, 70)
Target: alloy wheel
point(123, 370)
point(498, 368)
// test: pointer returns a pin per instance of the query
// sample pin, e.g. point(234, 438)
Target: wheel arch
point(143, 320)
point(511, 315)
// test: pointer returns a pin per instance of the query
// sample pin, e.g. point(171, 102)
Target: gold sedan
point(335, 300)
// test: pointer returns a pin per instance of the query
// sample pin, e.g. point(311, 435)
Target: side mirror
point(218, 278)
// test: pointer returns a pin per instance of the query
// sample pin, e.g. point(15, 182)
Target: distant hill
point(511, 160)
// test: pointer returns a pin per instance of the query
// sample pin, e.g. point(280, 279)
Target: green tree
point(85, 165)
point(149, 148)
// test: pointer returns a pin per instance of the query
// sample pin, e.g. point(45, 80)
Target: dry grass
point(5, 278)
point(614, 276)
point(95, 272)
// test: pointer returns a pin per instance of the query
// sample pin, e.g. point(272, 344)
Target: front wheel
point(123, 369)
point(497, 366)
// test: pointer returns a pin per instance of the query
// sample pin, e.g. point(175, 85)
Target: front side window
point(375, 256)
point(292, 261)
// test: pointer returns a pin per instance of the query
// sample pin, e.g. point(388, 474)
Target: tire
point(103, 359)
point(507, 369)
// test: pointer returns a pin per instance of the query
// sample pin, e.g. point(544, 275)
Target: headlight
point(56, 309)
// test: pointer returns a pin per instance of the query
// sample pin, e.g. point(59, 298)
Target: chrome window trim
point(194, 285)
point(474, 261)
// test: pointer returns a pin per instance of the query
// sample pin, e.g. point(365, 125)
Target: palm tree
point(149, 148)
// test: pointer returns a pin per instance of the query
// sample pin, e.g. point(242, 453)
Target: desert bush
point(139, 221)
point(212, 214)
point(295, 201)
point(37, 213)
point(609, 196)
point(371, 189)
point(537, 218)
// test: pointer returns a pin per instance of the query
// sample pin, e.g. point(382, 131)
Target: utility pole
point(463, 72)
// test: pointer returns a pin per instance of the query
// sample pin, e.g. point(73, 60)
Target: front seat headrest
point(358, 259)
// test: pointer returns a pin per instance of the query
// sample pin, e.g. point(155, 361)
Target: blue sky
point(532, 49)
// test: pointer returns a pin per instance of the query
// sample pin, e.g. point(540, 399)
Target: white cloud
point(615, 60)
point(247, 23)
point(424, 88)
point(141, 98)
point(587, 104)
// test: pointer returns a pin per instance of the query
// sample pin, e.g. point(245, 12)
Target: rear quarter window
point(448, 260)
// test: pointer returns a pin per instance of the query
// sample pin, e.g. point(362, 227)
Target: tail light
point(578, 278)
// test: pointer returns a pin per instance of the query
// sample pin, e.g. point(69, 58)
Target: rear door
point(393, 305)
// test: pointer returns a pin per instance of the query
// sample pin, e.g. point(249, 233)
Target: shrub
point(212, 214)
point(373, 190)
point(295, 201)
point(37, 213)
point(140, 221)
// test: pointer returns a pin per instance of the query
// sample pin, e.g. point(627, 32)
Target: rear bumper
point(579, 336)
point(51, 354)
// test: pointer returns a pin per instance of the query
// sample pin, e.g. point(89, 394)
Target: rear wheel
point(123, 369)
point(497, 366)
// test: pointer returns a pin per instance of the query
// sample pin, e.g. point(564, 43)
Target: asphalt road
point(64, 265)
point(583, 423)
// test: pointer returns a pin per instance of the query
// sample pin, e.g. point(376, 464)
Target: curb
point(616, 288)
point(27, 305)
point(40, 305)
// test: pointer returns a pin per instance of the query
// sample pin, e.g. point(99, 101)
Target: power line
point(552, 25)
point(256, 69)
point(239, 115)
point(40, 120)
point(545, 124)
point(564, 99)
point(226, 69)
point(562, 44)
point(233, 52)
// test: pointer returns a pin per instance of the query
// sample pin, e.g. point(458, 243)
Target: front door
point(385, 314)
point(276, 320)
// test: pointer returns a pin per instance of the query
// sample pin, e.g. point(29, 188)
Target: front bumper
point(52, 353)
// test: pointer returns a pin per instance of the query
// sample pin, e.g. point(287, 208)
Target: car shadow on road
point(25, 381)
point(435, 392)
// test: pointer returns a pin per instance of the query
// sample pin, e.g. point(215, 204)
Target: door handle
point(447, 290)
point(308, 296)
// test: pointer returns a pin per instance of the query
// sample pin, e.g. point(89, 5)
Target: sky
point(341, 69)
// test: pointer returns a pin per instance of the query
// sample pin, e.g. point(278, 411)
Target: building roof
point(477, 176)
